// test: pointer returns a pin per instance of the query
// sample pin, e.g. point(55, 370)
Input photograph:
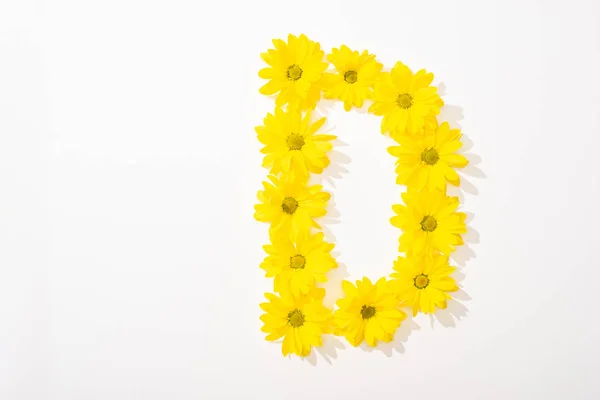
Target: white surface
point(129, 165)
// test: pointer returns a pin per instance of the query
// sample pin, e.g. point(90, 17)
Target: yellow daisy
point(367, 312)
point(291, 145)
point(429, 161)
point(298, 266)
point(429, 222)
point(290, 205)
point(355, 79)
point(407, 101)
point(423, 282)
point(301, 321)
point(294, 72)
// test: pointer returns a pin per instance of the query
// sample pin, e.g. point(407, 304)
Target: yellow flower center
point(350, 76)
point(289, 205)
point(404, 100)
point(368, 312)
point(294, 72)
point(428, 224)
point(297, 262)
point(430, 156)
point(421, 281)
point(295, 141)
point(295, 318)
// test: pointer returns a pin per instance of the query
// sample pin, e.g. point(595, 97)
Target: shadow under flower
point(464, 252)
point(451, 114)
point(328, 351)
point(324, 106)
point(333, 286)
point(336, 168)
point(455, 309)
point(449, 316)
point(331, 217)
point(400, 337)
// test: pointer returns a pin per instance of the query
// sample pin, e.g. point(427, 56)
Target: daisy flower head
point(300, 320)
point(355, 77)
point(428, 162)
point(429, 222)
point(294, 72)
point(290, 205)
point(407, 101)
point(367, 312)
point(297, 266)
point(423, 282)
point(291, 143)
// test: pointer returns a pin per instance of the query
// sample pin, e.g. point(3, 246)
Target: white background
point(129, 167)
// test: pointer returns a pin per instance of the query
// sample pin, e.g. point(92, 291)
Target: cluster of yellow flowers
point(298, 257)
